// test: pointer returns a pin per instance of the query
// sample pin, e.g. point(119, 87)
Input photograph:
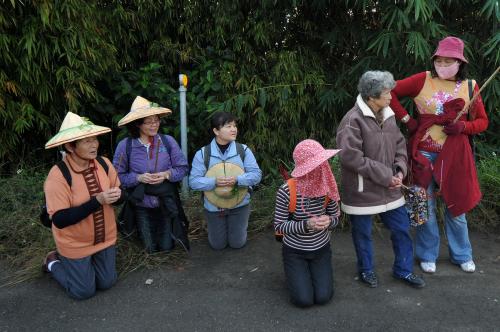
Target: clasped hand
point(225, 181)
point(318, 223)
point(109, 196)
point(154, 178)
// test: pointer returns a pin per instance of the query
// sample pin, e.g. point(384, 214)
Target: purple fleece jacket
point(140, 163)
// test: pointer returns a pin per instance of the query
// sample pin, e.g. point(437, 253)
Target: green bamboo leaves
point(287, 68)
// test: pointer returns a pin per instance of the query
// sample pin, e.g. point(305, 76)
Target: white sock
point(49, 266)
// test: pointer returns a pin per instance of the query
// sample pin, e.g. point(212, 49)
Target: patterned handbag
point(416, 204)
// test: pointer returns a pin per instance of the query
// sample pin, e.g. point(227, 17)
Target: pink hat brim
point(450, 55)
point(314, 162)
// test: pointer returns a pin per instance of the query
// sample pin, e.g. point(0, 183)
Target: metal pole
point(182, 98)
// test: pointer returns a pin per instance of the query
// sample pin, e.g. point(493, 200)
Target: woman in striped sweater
point(306, 230)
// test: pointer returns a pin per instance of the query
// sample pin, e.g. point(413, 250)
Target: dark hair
point(133, 127)
point(72, 144)
point(219, 119)
point(461, 74)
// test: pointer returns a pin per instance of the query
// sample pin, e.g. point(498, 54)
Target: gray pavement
point(244, 290)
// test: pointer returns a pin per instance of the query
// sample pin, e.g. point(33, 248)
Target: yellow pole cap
point(183, 80)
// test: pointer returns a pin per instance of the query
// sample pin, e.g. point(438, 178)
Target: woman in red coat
point(439, 151)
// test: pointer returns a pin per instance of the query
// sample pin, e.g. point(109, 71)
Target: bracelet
point(405, 118)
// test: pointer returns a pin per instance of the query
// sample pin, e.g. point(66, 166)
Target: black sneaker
point(369, 278)
point(412, 279)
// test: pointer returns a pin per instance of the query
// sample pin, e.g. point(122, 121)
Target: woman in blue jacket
point(225, 170)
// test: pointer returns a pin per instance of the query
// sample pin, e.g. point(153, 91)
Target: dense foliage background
point(288, 68)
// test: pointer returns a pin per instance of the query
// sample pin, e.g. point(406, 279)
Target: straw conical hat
point(74, 128)
point(142, 108)
point(225, 197)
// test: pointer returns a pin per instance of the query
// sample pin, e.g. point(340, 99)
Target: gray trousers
point(82, 277)
point(228, 227)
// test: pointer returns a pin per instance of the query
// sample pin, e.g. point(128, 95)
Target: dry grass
point(24, 241)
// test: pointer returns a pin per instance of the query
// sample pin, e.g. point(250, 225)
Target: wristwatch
point(405, 118)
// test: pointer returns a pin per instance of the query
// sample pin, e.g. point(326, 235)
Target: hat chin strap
point(80, 159)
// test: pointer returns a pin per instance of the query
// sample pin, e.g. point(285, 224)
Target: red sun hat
point(308, 155)
point(451, 47)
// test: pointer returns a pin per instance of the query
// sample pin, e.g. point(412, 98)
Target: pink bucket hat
point(308, 155)
point(451, 47)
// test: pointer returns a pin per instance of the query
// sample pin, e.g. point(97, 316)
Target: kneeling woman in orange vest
point(307, 256)
point(83, 220)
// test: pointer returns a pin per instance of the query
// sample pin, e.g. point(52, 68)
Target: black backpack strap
point(469, 118)
point(164, 140)
point(471, 94)
point(240, 149)
point(128, 149)
point(103, 163)
point(207, 151)
point(65, 171)
point(67, 175)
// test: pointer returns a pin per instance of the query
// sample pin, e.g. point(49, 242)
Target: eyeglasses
point(151, 122)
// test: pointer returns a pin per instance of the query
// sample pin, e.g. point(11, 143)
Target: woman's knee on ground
point(237, 242)
point(303, 300)
point(323, 297)
point(106, 283)
point(82, 293)
point(218, 244)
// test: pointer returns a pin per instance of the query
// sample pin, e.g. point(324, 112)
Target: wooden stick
point(119, 164)
point(466, 106)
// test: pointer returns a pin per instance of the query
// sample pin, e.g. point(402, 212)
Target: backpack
point(128, 147)
point(469, 118)
point(207, 152)
point(292, 205)
point(44, 215)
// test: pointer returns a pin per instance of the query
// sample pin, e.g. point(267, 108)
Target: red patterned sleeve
point(407, 87)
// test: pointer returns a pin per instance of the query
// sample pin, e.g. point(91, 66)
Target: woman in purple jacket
point(149, 158)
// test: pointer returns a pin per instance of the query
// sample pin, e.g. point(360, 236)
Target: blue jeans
point(228, 227)
point(81, 277)
point(155, 229)
point(398, 222)
point(427, 235)
point(309, 275)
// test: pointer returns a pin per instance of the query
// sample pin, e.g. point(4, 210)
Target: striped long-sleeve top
point(293, 226)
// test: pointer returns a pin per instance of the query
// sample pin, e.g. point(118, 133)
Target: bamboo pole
point(474, 97)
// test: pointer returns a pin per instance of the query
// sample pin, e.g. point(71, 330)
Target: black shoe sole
point(370, 285)
point(416, 286)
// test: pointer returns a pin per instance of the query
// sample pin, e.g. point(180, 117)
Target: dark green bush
point(287, 68)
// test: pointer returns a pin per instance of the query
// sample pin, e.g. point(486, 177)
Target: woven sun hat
point(308, 155)
point(142, 108)
point(225, 197)
point(73, 128)
point(451, 47)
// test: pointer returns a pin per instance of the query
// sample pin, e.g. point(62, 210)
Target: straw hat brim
point(225, 197)
point(143, 113)
point(76, 133)
point(314, 162)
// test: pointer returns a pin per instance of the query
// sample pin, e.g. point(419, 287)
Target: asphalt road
point(244, 290)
